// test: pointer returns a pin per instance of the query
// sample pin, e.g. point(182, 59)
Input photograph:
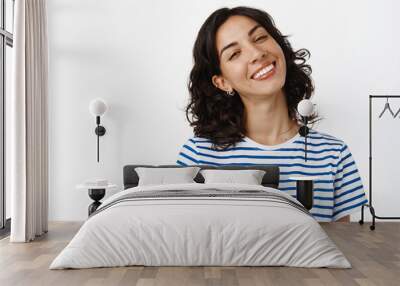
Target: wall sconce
point(97, 108)
point(305, 109)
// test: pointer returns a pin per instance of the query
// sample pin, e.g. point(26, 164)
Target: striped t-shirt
point(338, 190)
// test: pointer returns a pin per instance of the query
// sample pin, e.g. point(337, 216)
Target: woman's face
point(251, 61)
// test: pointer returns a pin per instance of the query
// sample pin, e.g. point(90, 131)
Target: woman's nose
point(257, 54)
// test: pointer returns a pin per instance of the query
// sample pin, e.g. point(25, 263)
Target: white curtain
point(27, 121)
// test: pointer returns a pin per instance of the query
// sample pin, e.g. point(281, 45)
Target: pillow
point(164, 176)
point(248, 177)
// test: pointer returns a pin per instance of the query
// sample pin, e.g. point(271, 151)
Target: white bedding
point(200, 231)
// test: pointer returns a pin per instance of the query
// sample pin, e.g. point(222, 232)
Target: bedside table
point(96, 193)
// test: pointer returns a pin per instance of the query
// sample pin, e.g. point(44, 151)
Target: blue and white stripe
point(338, 191)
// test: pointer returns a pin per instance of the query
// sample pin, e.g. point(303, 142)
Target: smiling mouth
point(265, 72)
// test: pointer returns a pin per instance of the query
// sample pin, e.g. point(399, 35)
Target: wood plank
point(374, 255)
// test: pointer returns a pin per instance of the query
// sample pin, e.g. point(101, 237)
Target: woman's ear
point(221, 83)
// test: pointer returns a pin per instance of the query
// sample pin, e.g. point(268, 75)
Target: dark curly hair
point(218, 117)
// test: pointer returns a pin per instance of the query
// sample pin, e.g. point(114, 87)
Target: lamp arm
point(305, 138)
point(98, 145)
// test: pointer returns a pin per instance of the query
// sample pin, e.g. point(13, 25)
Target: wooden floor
point(374, 255)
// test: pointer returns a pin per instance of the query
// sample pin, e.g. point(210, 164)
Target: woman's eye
point(234, 55)
point(261, 38)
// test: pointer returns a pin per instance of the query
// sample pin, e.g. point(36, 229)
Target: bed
point(201, 224)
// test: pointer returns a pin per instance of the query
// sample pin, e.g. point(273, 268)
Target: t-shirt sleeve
point(188, 154)
point(349, 193)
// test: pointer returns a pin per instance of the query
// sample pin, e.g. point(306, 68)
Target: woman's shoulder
point(319, 135)
point(195, 142)
point(208, 145)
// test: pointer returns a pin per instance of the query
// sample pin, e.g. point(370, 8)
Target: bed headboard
point(270, 179)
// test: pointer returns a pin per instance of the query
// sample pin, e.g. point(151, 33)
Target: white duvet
point(200, 231)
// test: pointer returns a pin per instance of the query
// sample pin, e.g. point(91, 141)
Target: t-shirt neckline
point(280, 145)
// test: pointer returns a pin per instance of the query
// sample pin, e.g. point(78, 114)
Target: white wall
point(137, 56)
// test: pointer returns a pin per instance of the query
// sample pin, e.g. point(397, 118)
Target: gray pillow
point(165, 176)
point(248, 177)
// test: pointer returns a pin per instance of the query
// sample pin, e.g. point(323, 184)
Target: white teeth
point(263, 71)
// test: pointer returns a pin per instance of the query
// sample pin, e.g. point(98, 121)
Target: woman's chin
point(270, 85)
point(267, 90)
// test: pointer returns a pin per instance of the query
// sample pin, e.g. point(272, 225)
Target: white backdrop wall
point(137, 56)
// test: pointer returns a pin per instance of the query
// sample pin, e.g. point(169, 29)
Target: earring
point(230, 93)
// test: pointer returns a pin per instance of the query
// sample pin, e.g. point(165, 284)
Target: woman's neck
point(267, 120)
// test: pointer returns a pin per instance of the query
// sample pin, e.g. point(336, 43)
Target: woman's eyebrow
point(252, 30)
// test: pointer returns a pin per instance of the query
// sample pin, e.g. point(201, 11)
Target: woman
point(245, 85)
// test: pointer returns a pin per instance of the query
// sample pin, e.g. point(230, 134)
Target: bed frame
point(270, 179)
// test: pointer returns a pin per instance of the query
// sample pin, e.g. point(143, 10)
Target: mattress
point(201, 225)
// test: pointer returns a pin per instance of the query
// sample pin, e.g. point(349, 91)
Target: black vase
point(96, 195)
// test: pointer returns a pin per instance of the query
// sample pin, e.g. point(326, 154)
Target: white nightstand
point(96, 193)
